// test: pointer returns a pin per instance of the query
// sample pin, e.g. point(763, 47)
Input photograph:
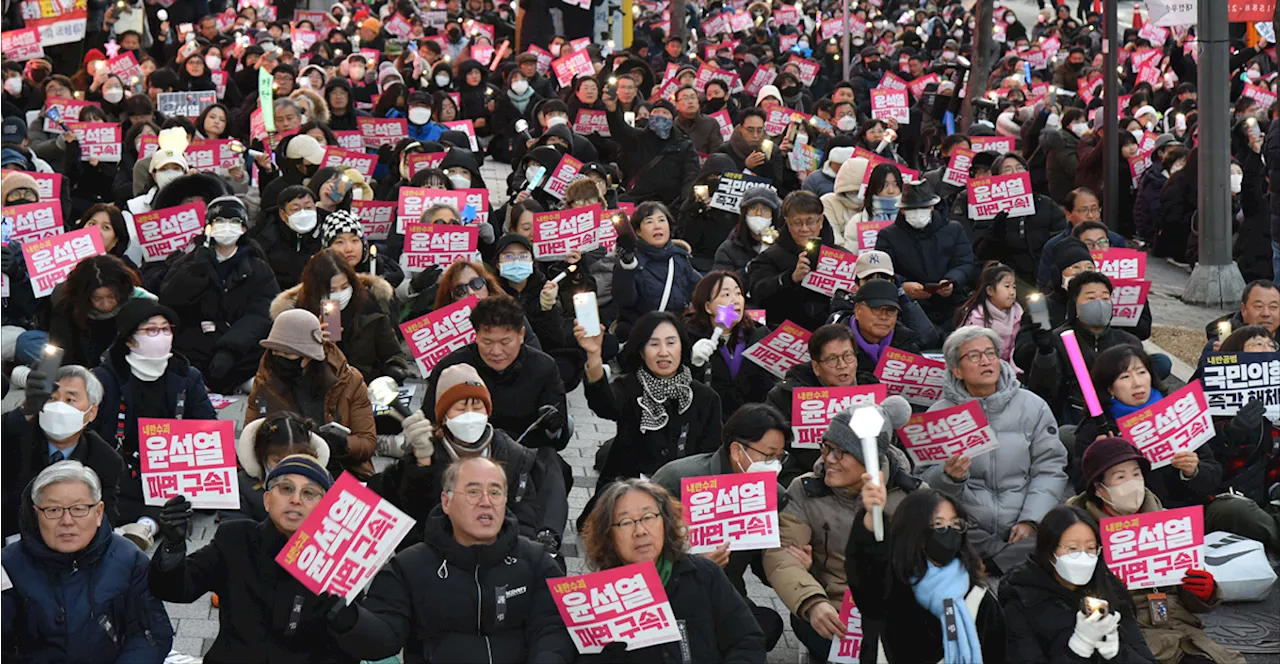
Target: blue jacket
point(638, 290)
point(1044, 273)
point(91, 606)
point(421, 133)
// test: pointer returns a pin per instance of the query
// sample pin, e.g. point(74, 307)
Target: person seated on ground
point(755, 441)
point(877, 265)
point(637, 521)
point(460, 427)
point(756, 211)
point(79, 591)
point(994, 305)
point(815, 524)
point(538, 297)
point(342, 232)
point(1094, 236)
point(876, 324)
point(290, 234)
point(304, 374)
point(261, 445)
point(722, 364)
point(462, 280)
point(264, 614)
point(1009, 488)
point(1046, 618)
point(1259, 305)
point(654, 272)
point(1080, 205)
point(1114, 474)
point(775, 275)
point(920, 581)
point(52, 427)
point(1018, 241)
point(82, 317)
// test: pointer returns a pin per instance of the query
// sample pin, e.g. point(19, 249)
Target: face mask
point(948, 55)
point(1076, 568)
point(113, 95)
point(918, 219)
point(286, 369)
point(1096, 313)
point(555, 50)
point(342, 297)
point(468, 427)
point(774, 466)
point(516, 271)
point(847, 123)
point(13, 85)
point(531, 172)
point(1237, 180)
point(556, 121)
point(1254, 74)
point(163, 178)
point(213, 62)
point(661, 125)
point(419, 115)
point(226, 234)
point(148, 346)
point(1079, 128)
point(758, 224)
point(1137, 134)
point(60, 420)
point(943, 545)
point(520, 87)
point(302, 221)
point(442, 80)
point(1126, 497)
point(357, 73)
point(460, 181)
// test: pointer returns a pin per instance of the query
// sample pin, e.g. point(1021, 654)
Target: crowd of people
point(724, 163)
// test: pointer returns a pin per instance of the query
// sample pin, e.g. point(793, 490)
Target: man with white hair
point(79, 591)
point(60, 433)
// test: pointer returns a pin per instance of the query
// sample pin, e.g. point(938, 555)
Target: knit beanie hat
point(14, 181)
point(227, 208)
point(458, 383)
point(759, 195)
point(296, 331)
point(895, 410)
point(337, 223)
point(1069, 252)
point(304, 465)
point(1108, 452)
point(137, 311)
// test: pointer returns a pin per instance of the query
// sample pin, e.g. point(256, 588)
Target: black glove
point(553, 420)
point(221, 364)
point(1043, 338)
point(1247, 420)
point(37, 392)
point(337, 442)
point(1000, 225)
point(626, 247)
point(10, 255)
point(396, 372)
point(548, 538)
point(341, 616)
point(173, 520)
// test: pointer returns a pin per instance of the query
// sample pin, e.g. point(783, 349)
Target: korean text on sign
point(740, 508)
point(1120, 263)
point(557, 233)
point(162, 232)
point(1155, 548)
point(621, 605)
point(1128, 299)
point(424, 160)
point(784, 348)
point(375, 217)
point(349, 535)
point(833, 272)
point(813, 407)
point(591, 122)
point(888, 104)
point(378, 132)
point(50, 260)
point(439, 333)
point(22, 45)
point(847, 648)
point(933, 437)
point(1001, 193)
point(957, 172)
point(192, 458)
point(1232, 379)
point(916, 378)
point(728, 194)
point(34, 221)
point(558, 180)
point(360, 161)
point(1179, 422)
point(413, 201)
point(429, 245)
point(48, 185)
point(190, 104)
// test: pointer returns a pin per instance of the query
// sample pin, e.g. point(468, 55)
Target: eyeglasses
point(473, 495)
point(511, 258)
point(1102, 243)
point(940, 527)
point(814, 222)
point(77, 511)
point(836, 454)
point(1070, 549)
point(976, 356)
point(462, 290)
point(156, 331)
point(883, 312)
point(754, 131)
point(781, 456)
point(834, 361)
point(309, 495)
point(1091, 210)
point(646, 521)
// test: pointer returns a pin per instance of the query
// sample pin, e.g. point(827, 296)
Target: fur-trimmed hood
point(250, 464)
point(378, 288)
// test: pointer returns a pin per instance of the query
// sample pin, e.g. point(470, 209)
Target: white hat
point(768, 91)
point(163, 158)
point(1146, 110)
point(303, 146)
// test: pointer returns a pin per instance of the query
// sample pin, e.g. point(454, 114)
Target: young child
point(994, 305)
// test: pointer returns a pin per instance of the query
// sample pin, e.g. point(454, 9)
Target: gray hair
point(66, 471)
point(431, 211)
point(963, 335)
point(92, 386)
point(451, 472)
point(286, 102)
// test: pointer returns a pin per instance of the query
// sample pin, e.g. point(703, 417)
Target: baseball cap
point(873, 262)
point(302, 146)
point(878, 293)
point(15, 130)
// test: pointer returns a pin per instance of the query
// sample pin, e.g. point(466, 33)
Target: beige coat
point(844, 208)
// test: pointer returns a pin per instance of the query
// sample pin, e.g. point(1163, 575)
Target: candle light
point(1082, 373)
point(560, 277)
point(373, 259)
point(767, 147)
point(1224, 330)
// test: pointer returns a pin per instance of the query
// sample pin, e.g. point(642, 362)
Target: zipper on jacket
point(479, 614)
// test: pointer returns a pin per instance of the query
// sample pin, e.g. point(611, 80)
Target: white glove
point(1090, 631)
point(702, 350)
point(417, 432)
point(1109, 646)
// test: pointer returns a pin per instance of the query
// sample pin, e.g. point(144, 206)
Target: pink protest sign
point(740, 21)
point(1149, 75)
point(49, 185)
point(429, 245)
point(782, 349)
point(847, 648)
point(933, 437)
point(361, 161)
point(378, 132)
point(544, 58)
point(349, 535)
point(1179, 422)
point(565, 171)
point(423, 160)
point(413, 201)
point(203, 156)
point(779, 117)
point(1011, 193)
point(1138, 164)
point(68, 110)
point(741, 509)
point(918, 85)
point(1263, 96)
point(482, 53)
point(757, 315)
point(1000, 144)
point(467, 127)
point(162, 232)
point(621, 605)
point(51, 259)
point(892, 81)
point(957, 172)
point(375, 217)
point(351, 139)
point(1120, 263)
point(591, 122)
point(868, 232)
point(1128, 298)
point(572, 66)
point(557, 233)
point(707, 74)
point(726, 125)
point(192, 458)
point(813, 407)
point(833, 272)
point(1154, 549)
point(1154, 34)
point(808, 68)
point(98, 140)
point(34, 221)
point(786, 15)
point(916, 378)
point(907, 174)
point(764, 75)
point(435, 335)
point(887, 104)
point(21, 45)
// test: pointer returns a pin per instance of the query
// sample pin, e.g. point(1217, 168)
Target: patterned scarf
point(653, 414)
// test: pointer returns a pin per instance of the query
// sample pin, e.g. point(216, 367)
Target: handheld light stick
point(866, 423)
point(726, 317)
point(1082, 373)
point(560, 277)
point(1224, 330)
point(767, 147)
point(384, 392)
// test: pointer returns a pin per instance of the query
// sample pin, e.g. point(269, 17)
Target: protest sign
point(191, 458)
point(726, 125)
point(378, 132)
point(892, 81)
point(467, 127)
point(728, 194)
point(1179, 422)
point(435, 335)
point(868, 232)
point(1231, 379)
point(572, 66)
point(786, 15)
point(48, 185)
point(1154, 549)
point(190, 104)
point(162, 232)
point(833, 272)
point(808, 69)
point(847, 648)
point(933, 437)
point(1154, 34)
point(888, 104)
point(22, 45)
point(804, 158)
point(349, 535)
point(957, 171)
point(351, 140)
point(202, 156)
point(776, 121)
point(916, 378)
point(98, 140)
point(992, 195)
point(1120, 263)
point(559, 179)
point(782, 349)
point(397, 25)
point(34, 221)
point(482, 53)
point(813, 407)
point(50, 260)
point(875, 160)
point(1138, 164)
point(918, 85)
point(764, 75)
point(1258, 93)
point(423, 160)
point(544, 58)
point(591, 122)
point(739, 508)
point(1000, 144)
point(68, 110)
point(361, 161)
point(429, 245)
point(621, 605)
point(375, 218)
point(706, 74)
point(67, 28)
point(1128, 298)
point(559, 232)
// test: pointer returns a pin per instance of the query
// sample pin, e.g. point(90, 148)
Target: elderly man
point(1081, 205)
point(438, 598)
point(79, 591)
point(877, 325)
point(1259, 305)
point(62, 432)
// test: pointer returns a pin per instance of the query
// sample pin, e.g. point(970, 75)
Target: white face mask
point(520, 87)
point(1126, 497)
point(302, 221)
point(918, 218)
point(163, 178)
point(357, 73)
point(226, 233)
point(468, 427)
point(60, 420)
point(460, 181)
point(213, 62)
point(1137, 134)
point(442, 80)
point(113, 95)
point(556, 120)
point(1237, 181)
point(1079, 128)
point(774, 466)
point(847, 123)
point(758, 224)
point(13, 85)
point(342, 297)
point(531, 172)
point(419, 115)
point(1076, 568)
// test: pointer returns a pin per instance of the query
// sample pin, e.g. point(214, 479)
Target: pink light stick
point(1082, 372)
point(726, 316)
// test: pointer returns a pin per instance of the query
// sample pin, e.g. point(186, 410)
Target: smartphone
point(340, 189)
point(333, 318)
point(1095, 605)
point(587, 311)
point(50, 361)
point(334, 427)
point(813, 249)
point(629, 117)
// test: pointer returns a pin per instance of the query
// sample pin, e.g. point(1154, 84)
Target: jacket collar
point(439, 536)
point(35, 546)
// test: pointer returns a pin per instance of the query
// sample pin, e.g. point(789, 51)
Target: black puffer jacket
point(675, 162)
point(1048, 369)
point(770, 286)
point(939, 251)
point(734, 254)
point(705, 228)
point(753, 382)
point(287, 252)
point(439, 601)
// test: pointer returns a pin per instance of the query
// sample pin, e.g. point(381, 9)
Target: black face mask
point(712, 105)
point(642, 123)
point(286, 369)
point(454, 36)
point(790, 91)
point(943, 545)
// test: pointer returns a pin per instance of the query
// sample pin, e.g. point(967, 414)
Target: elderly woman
point(653, 272)
point(1008, 489)
point(79, 591)
point(637, 521)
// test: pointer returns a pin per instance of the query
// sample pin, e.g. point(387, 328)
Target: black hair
point(801, 202)
point(330, 138)
point(1111, 363)
point(752, 421)
point(632, 356)
point(1266, 284)
point(1104, 584)
point(879, 174)
point(518, 210)
point(1089, 226)
point(1235, 342)
point(826, 334)
point(954, 140)
point(1083, 279)
point(1069, 202)
point(647, 209)
point(752, 112)
point(700, 322)
point(498, 311)
point(990, 277)
point(226, 114)
point(909, 531)
point(292, 193)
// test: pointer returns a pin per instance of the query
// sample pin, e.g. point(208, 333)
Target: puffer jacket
point(769, 281)
point(85, 346)
point(705, 228)
point(637, 290)
point(1166, 482)
point(750, 385)
point(1019, 481)
point(1146, 203)
point(843, 207)
point(1062, 147)
point(75, 608)
point(444, 602)
point(1048, 370)
point(937, 252)
point(735, 253)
